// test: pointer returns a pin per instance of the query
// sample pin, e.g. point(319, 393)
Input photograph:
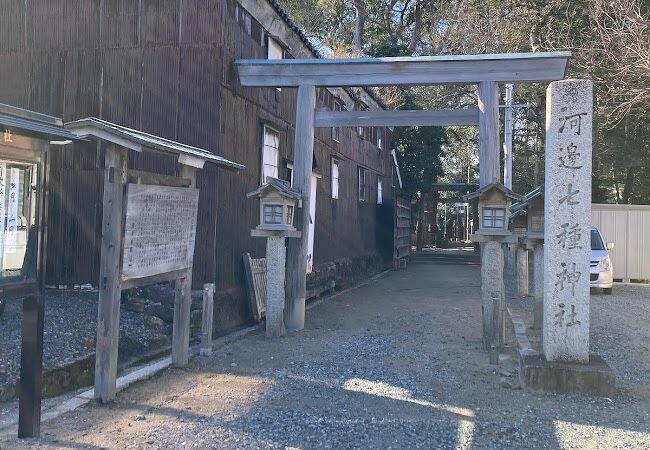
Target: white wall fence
point(628, 226)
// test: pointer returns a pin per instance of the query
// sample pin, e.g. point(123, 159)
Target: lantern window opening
point(273, 213)
point(494, 217)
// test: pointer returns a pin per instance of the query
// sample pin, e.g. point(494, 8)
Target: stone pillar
point(567, 221)
point(538, 284)
point(522, 272)
point(492, 296)
point(275, 262)
point(509, 269)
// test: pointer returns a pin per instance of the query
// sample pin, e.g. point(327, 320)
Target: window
point(335, 178)
point(494, 217)
point(362, 184)
point(275, 51)
point(270, 152)
point(380, 197)
point(336, 132)
point(289, 173)
point(273, 214)
point(380, 131)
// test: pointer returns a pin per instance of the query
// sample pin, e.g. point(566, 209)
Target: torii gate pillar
point(488, 132)
point(303, 156)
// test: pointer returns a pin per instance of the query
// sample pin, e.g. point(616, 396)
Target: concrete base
point(594, 378)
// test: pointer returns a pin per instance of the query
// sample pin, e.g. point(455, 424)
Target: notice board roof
point(34, 124)
point(137, 140)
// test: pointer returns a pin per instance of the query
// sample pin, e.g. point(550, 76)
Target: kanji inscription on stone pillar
point(567, 211)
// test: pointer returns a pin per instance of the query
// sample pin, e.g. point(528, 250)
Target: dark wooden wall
point(163, 66)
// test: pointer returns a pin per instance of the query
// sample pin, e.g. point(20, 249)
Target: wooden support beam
point(303, 155)
point(31, 367)
point(207, 319)
point(488, 133)
point(398, 118)
point(422, 70)
point(108, 311)
point(183, 301)
point(461, 187)
point(142, 177)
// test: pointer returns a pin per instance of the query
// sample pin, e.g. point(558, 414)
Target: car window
point(596, 241)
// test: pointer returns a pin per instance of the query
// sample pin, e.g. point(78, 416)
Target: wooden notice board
point(159, 229)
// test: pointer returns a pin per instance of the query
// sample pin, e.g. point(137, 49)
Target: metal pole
point(507, 138)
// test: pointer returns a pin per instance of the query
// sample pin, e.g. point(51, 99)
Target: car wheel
point(607, 291)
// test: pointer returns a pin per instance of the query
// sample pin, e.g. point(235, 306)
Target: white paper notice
point(12, 211)
point(3, 213)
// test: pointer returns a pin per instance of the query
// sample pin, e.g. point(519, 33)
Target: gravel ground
point(69, 335)
point(393, 364)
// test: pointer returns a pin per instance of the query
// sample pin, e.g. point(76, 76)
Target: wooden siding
point(166, 69)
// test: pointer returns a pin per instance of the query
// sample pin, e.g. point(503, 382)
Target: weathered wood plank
point(397, 118)
point(108, 311)
point(303, 156)
point(142, 177)
point(207, 319)
point(488, 134)
point(455, 69)
point(183, 301)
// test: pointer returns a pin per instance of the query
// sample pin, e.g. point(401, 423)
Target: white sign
point(159, 229)
point(3, 213)
point(12, 211)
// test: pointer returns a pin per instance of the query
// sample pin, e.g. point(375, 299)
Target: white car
point(601, 271)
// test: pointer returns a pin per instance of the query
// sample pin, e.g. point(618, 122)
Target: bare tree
point(357, 41)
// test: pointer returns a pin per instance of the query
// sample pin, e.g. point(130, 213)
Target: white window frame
point(362, 190)
point(380, 193)
point(274, 51)
point(290, 167)
point(336, 174)
point(270, 153)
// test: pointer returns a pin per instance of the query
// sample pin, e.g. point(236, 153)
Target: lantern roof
point(281, 186)
point(498, 186)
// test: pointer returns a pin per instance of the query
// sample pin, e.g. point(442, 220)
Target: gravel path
point(69, 335)
point(393, 364)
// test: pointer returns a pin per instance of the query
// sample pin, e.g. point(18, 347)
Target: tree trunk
point(357, 41)
point(629, 181)
point(417, 27)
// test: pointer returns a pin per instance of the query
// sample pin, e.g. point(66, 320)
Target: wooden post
point(488, 132)
point(108, 311)
point(303, 155)
point(183, 302)
point(207, 318)
point(31, 367)
point(488, 164)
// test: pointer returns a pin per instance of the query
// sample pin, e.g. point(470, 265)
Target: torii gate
point(485, 70)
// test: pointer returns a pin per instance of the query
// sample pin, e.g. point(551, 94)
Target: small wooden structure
point(148, 231)
point(402, 232)
point(26, 142)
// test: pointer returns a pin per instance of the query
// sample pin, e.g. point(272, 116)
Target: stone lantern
point(494, 213)
point(278, 203)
